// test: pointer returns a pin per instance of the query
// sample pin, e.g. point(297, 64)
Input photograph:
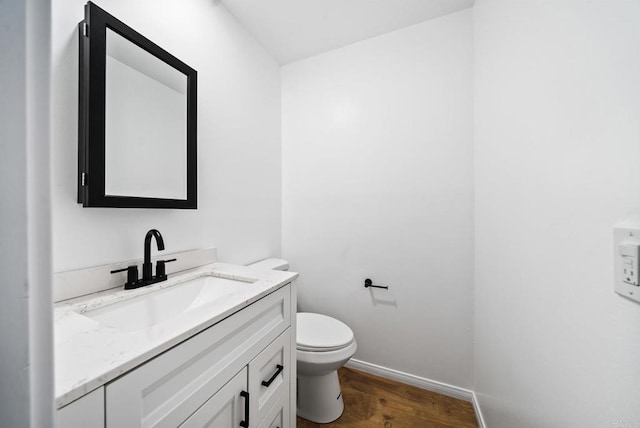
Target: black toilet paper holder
point(368, 283)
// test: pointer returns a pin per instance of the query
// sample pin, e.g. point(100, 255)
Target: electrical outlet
point(627, 257)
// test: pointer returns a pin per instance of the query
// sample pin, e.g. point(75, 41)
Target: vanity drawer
point(278, 415)
point(269, 375)
point(165, 391)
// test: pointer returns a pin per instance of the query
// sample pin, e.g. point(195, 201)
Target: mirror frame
point(91, 114)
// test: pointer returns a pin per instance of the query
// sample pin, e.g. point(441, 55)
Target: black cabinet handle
point(245, 422)
point(268, 383)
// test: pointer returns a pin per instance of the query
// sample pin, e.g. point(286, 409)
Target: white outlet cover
point(620, 235)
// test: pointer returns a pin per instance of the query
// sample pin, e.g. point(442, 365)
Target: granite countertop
point(88, 354)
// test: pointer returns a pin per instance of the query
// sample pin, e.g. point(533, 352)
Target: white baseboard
point(413, 380)
point(422, 383)
point(476, 408)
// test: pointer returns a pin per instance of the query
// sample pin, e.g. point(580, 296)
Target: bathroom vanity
point(212, 346)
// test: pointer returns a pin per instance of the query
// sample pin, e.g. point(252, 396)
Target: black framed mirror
point(137, 119)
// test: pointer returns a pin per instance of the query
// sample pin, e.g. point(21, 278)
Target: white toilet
point(323, 344)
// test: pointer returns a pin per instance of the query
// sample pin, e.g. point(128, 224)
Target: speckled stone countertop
point(88, 354)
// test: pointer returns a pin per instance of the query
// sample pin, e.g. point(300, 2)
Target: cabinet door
point(166, 390)
point(225, 409)
point(269, 375)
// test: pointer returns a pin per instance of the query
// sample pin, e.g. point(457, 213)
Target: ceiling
point(295, 29)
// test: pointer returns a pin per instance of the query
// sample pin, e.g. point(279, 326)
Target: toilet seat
point(320, 333)
point(337, 358)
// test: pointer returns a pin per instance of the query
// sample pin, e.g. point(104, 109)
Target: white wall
point(238, 140)
point(377, 182)
point(26, 386)
point(557, 165)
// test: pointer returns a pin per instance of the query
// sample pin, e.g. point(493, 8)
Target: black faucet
point(147, 267)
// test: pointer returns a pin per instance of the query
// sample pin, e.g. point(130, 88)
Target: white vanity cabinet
point(219, 377)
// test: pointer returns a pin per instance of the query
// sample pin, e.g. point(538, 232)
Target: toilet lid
point(316, 332)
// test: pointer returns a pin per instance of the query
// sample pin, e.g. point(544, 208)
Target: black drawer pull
point(268, 383)
point(245, 423)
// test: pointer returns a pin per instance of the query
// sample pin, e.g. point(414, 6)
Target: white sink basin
point(159, 306)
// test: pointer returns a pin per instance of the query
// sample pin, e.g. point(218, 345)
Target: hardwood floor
point(371, 401)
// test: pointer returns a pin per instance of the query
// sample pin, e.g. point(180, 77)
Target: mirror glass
point(145, 123)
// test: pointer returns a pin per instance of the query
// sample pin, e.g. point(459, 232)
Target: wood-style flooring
point(371, 401)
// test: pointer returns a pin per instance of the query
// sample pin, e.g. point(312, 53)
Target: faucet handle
point(132, 275)
point(160, 267)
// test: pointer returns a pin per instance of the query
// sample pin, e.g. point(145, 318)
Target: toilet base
point(320, 397)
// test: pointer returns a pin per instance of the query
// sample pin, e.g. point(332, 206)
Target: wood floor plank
point(371, 401)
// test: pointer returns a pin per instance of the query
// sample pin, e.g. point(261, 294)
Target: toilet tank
point(270, 264)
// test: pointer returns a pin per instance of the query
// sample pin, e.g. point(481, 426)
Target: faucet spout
point(147, 267)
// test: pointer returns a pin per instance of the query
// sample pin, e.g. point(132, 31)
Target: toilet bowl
point(323, 345)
